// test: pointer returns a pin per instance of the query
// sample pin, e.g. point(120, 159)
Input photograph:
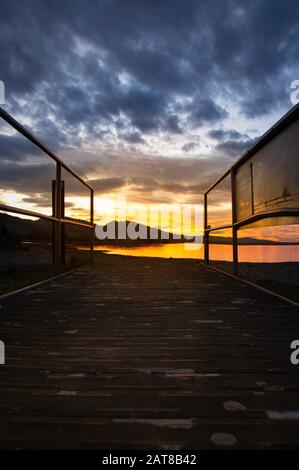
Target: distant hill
point(218, 240)
point(14, 230)
point(17, 230)
point(138, 234)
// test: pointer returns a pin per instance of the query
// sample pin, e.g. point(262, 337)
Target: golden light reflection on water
point(247, 253)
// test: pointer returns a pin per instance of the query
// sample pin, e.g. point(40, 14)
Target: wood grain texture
point(147, 353)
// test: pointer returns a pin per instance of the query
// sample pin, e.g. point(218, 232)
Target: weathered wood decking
point(147, 353)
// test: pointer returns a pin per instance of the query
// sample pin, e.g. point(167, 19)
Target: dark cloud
point(40, 201)
point(37, 179)
point(33, 178)
point(221, 135)
point(189, 146)
point(124, 70)
point(235, 148)
point(106, 185)
point(133, 138)
point(175, 188)
point(231, 142)
point(152, 177)
point(72, 57)
point(16, 147)
point(44, 200)
point(206, 111)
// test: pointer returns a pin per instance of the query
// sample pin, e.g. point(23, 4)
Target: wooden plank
point(147, 353)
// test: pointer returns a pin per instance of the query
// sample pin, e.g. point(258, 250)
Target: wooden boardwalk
point(148, 353)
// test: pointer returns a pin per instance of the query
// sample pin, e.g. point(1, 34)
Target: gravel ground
point(30, 256)
point(27, 257)
point(278, 272)
point(282, 278)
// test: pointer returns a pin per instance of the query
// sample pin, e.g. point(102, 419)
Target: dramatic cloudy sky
point(149, 99)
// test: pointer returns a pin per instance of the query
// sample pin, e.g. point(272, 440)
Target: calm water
point(253, 253)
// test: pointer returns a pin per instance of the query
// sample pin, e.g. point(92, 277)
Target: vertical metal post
point(234, 220)
point(58, 234)
point(53, 223)
point(206, 233)
point(251, 188)
point(57, 231)
point(91, 221)
point(62, 226)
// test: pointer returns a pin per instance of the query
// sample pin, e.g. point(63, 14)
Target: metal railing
point(58, 197)
point(237, 223)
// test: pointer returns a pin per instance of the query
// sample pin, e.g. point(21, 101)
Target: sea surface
point(247, 253)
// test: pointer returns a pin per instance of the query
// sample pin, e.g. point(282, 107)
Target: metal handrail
point(22, 130)
point(256, 217)
point(285, 121)
point(58, 219)
point(267, 215)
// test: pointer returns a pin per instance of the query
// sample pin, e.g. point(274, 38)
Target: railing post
point(57, 214)
point(206, 233)
point(234, 220)
point(91, 221)
point(53, 223)
point(251, 188)
point(62, 226)
point(58, 241)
